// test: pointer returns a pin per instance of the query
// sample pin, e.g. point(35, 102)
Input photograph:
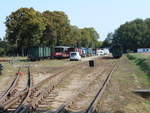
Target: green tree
point(57, 27)
point(24, 28)
point(3, 47)
point(89, 37)
point(133, 35)
point(108, 41)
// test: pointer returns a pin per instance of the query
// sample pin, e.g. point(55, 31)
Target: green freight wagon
point(116, 50)
point(37, 53)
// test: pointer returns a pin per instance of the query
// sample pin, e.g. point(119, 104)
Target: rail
point(100, 92)
point(11, 87)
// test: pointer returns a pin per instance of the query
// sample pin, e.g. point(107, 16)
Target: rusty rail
point(25, 95)
point(20, 96)
point(99, 94)
point(43, 93)
point(20, 108)
point(11, 88)
point(63, 107)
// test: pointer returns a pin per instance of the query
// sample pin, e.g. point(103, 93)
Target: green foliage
point(57, 27)
point(133, 35)
point(2, 47)
point(108, 41)
point(89, 37)
point(24, 28)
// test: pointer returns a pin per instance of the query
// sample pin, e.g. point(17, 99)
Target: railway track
point(43, 89)
point(69, 105)
point(50, 97)
point(92, 106)
point(34, 96)
point(20, 102)
point(6, 94)
point(16, 100)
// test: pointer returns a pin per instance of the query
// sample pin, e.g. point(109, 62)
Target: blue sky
point(104, 15)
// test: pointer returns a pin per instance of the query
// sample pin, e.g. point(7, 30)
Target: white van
point(75, 56)
point(106, 51)
point(100, 52)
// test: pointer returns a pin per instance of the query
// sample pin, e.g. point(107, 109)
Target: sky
point(104, 15)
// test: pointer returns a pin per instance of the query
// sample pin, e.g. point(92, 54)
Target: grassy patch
point(147, 102)
point(143, 61)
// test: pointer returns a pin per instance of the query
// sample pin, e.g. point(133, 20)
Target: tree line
point(27, 27)
point(131, 35)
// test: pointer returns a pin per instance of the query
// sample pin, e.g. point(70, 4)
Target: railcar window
point(59, 49)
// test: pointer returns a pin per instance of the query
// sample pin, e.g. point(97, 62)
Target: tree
point(58, 26)
point(108, 41)
point(74, 38)
point(89, 37)
point(133, 35)
point(24, 28)
point(3, 46)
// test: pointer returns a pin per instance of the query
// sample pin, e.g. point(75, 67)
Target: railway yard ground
point(74, 85)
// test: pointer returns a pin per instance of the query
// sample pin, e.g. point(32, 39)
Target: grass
point(119, 95)
point(142, 61)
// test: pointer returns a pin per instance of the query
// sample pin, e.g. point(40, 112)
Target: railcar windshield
point(59, 49)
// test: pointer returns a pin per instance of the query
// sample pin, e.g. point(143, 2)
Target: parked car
point(106, 51)
point(75, 56)
point(100, 52)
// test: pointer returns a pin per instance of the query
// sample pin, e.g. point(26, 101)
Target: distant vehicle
point(75, 50)
point(61, 52)
point(38, 53)
point(116, 50)
point(106, 51)
point(143, 50)
point(84, 52)
point(75, 56)
point(89, 51)
point(94, 52)
point(100, 52)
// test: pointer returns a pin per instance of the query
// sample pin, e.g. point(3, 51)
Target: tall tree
point(58, 26)
point(24, 28)
point(108, 41)
point(133, 35)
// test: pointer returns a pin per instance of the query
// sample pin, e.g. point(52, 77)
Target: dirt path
point(119, 97)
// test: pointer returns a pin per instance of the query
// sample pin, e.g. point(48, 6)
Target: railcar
point(116, 50)
point(84, 52)
point(37, 53)
point(61, 52)
point(75, 50)
point(89, 52)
